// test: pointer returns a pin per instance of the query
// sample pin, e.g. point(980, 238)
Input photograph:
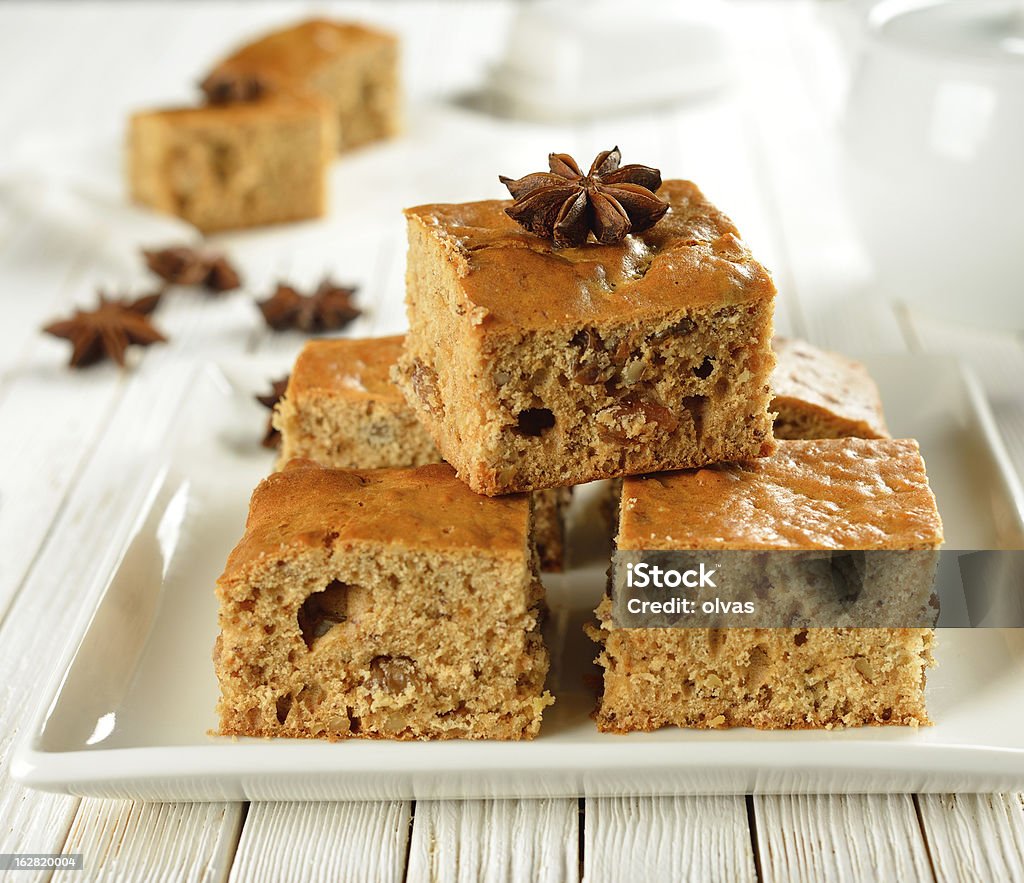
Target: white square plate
point(129, 711)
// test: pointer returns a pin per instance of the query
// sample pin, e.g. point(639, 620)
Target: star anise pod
point(272, 438)
point(222, 275)
point(328, 308)
point(566, 206)
point(182, 265)
point(107, 331)
point(231, 87)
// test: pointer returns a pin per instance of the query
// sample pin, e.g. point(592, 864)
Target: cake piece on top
point(240, 165)
point(821, 394)
point(342, 410)
point(352, 67)
point(843, 494)
point(534, 366)
point(387, 604)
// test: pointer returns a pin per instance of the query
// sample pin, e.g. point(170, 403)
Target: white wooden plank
point(354, 842)
point(514, 841)
point(818, 838)
point(668, 838)
point(126, 841)
point(974, 836)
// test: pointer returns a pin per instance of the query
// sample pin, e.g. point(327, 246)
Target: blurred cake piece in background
point(236, 165)
point(820, 394)
point(352, 67)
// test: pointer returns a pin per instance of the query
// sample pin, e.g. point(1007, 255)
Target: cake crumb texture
point(233, 166)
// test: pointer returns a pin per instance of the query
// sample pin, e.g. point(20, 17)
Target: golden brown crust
point(692, 258)
point(828, 494)
point(307, 505)
point(348, 369)
point(352, 67)
point(821, 394)
point(291, 54)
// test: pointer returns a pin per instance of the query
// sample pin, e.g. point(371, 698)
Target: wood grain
point(323, 841)
point(974, 836)
point(127, 841)
point(514, 841)
point(851, 837)
point(668, 838)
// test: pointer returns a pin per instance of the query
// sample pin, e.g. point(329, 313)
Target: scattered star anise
point(272, 438)
point(182, 265)
point(328, 308)
point(566, 206)
point(108, 330)
point(231, 87)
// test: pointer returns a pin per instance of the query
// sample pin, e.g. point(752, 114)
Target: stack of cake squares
point(387, 585)
point(275, 114)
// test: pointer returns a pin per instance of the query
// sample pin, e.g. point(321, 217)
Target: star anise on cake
point(328, 308)
point(107, 331)
point(272, 438)
point(232, 87)
point(182, 265)
point(566, 206)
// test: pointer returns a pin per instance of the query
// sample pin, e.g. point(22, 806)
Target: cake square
point(846, 494)
point(233, 166)
point(386, 604)
point(352, 67)
point(821, 394)
point(342, 410)
point(534, 366)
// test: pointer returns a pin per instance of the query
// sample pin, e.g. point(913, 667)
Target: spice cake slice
point(352, 67)
point(233, 166)
point(535, 366)
point(849, 494)
point(342, 410)
point(821, 394)
point(385, 604)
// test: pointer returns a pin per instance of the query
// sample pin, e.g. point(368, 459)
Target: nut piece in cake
point(845, 494)
point(821, 394)
point(352, 67)
point(342, 410)
point(534, 366)
point(239, 165)
point(387, 604)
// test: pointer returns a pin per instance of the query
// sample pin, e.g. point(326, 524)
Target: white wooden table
point(765, 151)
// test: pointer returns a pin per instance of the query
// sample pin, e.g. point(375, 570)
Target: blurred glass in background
point(933, 154)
